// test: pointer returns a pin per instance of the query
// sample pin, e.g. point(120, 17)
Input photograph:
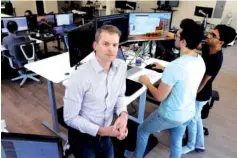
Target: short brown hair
point(108, 28)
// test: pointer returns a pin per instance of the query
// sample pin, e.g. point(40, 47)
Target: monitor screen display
point(64, 19)
point(29, 146)
point(59, 30)
point(147, 26)
point(48, 19)
point(21, 22)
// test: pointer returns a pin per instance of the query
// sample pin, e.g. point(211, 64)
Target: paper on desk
point(152, 75)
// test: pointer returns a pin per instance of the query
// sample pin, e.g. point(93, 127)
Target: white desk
point(78, 12)
point(55, 70)
point(34, 39)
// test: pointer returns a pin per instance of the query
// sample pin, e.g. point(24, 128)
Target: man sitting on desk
point(93, 93)
point(11, 40)
point(176, 92)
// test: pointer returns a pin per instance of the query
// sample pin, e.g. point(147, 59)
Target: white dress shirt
point(93, 95)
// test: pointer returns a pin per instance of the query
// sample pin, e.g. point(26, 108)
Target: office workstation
point(40, 114)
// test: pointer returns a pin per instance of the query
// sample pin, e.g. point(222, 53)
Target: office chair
point(25, 53)
point(66, 146)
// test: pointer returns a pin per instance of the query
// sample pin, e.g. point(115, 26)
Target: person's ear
point(94, 45)
point(183, 43)
point(221, 42)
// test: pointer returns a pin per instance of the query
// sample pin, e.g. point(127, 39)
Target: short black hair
point(227, 33)
point(12, 26)
point(192, 33)
point(29, 12)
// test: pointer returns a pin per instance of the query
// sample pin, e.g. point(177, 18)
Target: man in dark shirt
point(213, 58)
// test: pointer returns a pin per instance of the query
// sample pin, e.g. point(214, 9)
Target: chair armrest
point(10, 61)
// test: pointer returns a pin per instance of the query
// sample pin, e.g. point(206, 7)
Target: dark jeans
point(86, 146)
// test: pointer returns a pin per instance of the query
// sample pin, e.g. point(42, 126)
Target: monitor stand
point(78, 64)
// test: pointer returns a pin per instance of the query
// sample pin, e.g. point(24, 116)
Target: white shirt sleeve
point(120, 104)
point(73, 100)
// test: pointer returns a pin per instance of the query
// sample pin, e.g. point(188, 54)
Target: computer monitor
point(118, 20)
point(49, 19)
point(173, 3)
point(80, 42)
point(64, 19)
point(200, 10)
point(30, 146)
point(32, 22)
point(58, 30)
point(21, 22)
point(148, 26)
point(120, 54)
point(2, 25)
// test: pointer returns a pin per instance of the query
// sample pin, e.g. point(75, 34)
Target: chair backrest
point(25, 51)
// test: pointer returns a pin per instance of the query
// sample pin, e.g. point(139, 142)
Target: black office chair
point(25, 53)
point(66, 146)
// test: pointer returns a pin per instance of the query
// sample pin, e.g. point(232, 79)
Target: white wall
point(50, 6)
point(22, 6)
point(186, 10)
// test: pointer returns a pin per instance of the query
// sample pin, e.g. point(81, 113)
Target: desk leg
point(45, 47)
point(53, 108)
point(141, 109)
point(59, 45)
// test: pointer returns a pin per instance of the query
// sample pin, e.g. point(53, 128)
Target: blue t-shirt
point(184, 75)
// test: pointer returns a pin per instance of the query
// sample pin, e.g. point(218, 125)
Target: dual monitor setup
point(134, 27)
point(57, 21)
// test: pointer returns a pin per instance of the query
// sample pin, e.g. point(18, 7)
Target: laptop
point(131, 86)
point(30, 146)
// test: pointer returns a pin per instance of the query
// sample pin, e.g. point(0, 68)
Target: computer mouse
point(153, 65)
point(150, 66)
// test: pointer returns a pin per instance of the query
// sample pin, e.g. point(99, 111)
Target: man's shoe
point(199, 150)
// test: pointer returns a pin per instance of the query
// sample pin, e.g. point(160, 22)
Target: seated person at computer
point(45, 26)
point(93, 93)
point(213, 58)
point(11, 40)
point(28, 13)
point(176, 92)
